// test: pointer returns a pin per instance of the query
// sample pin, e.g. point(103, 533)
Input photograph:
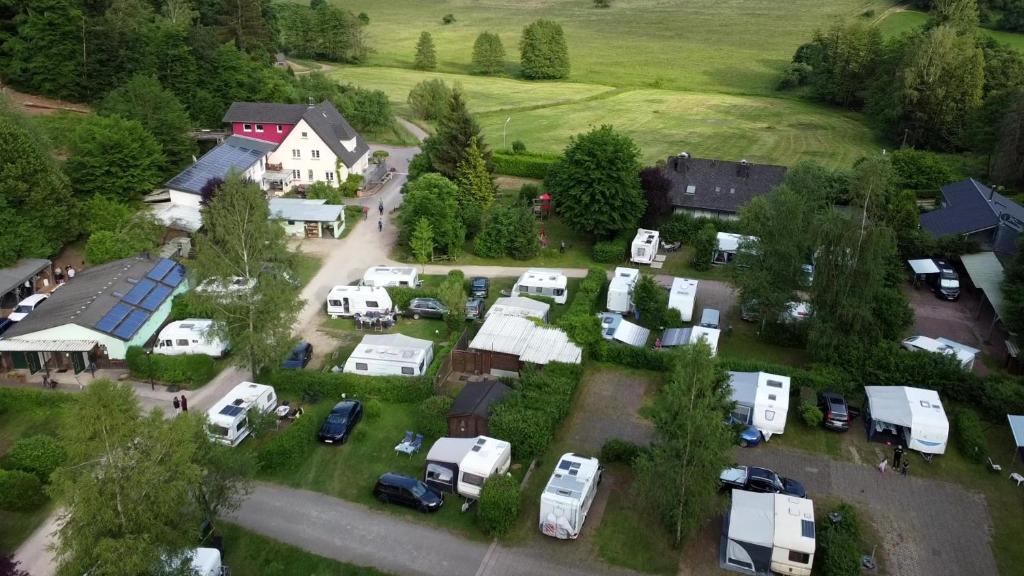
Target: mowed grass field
point(910, 20)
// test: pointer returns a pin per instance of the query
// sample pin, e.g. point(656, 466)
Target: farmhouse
point(471, 410)
point(718, 188)
point(976, 212)
point(308, 218)
point(96, 316)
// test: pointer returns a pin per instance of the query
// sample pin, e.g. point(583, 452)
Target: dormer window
point(247, 127)
point(259, 127)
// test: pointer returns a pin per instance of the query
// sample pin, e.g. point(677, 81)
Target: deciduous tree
point(429, 99)
point(244, 22)
point(544, 54)
point(488, 54)
point(426, 56)
point(435, 198)
point(509, 229)
point(45, 54)
point(114, 156)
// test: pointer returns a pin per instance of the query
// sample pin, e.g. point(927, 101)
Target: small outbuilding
point(768, 533)
point(911, 417)
point(762, 401)
point(302, 218)
point(504, 343)
point(469, 414)
point(390, 355)
point(22, 280)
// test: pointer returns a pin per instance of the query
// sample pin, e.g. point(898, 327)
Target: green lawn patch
point(16, 527)
point(307, 265)
point(249, 554)
point(345, 329)
point(393, 135)
point(910, 20)
point(740, 341)
point(678, 264)
point(628, 536)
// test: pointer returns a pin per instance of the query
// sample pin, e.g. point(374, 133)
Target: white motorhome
point(645, 246)
point(964, 354)
point(567, 498)
point(390, 276)
point(344, 301)
point(228, 419)
point(191, 336)
point(620, 290)
point(682, 297)
point(207, 562)
point(487, 457)
point(765, 533)
point(542, 282)
point(390, 355)
point(762, 400)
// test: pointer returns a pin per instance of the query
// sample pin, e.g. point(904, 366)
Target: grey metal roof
point(300, 210)
point(477, 398)
point(332, 128)
point(265, 112)
point(675, 337)
point(11, 278)
point(719, 185)
point(17, 345)
point(986, 272)
point(235, 153)
point(965, 209)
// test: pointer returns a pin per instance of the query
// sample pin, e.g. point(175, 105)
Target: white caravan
point(964, 354)
point(645, 246)
point(762, 400)
point(487, 457)
point(682, 297)
point(768, 533)
point(390, 276)
point(207, 562)
point(914, 415)
point(390, 355)
point(620, 290)
point(567, 498)
point(542, 282)
point(191, 336)
point(228, 419)
point(346, 301)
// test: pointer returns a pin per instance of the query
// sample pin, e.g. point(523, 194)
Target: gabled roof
point(236, 153)
point(265, 112)
point(719, 185)
point(476, 398)
point(301, 210)
point(521, 337)
point(970, 206)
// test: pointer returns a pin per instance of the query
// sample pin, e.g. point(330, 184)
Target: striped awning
point(17, 345)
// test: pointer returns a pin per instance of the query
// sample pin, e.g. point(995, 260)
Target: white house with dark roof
point(245, 156)
point(718, 188)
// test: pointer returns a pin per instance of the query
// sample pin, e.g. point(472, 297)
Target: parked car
point(710, 318)
point(837, 413)
point(26, 306)
point(299, 356)
point(756, 479)
point(474, 309)
point(479, 287)
point(425, 308)
point(407, 491)
point(341, 421)
point(945, 284)
point(748, 435)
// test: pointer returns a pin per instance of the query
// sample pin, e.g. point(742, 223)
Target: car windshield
point(947, 283)
point(337, 418)
point(23, 309)
point(418, 489)
point(837, 407)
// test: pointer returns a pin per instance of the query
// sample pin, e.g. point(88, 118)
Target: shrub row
point(310, 384)
point(38, 455)
point(970, 435)
point(579, 321)
point(401, 295)
point(630, 357)
point(621, 451)
point(293, 445)
point(499, 505)
point(190, 370)
point(840, 544)
point(523, 165)
point(610, 251)
point(684, 227)
point(20, 491)
point(20, 399)
point(529, 416)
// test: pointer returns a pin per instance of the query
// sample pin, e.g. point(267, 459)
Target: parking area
point(958, 321)
point(608, 406)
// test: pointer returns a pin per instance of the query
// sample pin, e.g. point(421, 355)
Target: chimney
point(743, 169)
point(309, 101)
point(682, 162)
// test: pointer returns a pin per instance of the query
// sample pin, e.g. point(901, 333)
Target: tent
point(762, 400)
point(614, 327)
point(913, 415)
point(765, 533)
point(1017, 427)
point(442, 466)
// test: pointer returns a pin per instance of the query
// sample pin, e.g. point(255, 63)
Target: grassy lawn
point(741, 342)
point(626, 537)
point(345, 330)
point(394, 135)
point(678, 264)
point(249, 554)
point(910, 20)
point(306, 266)
point(353, 216)
point(16, 527)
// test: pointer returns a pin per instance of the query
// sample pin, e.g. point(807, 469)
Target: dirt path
point(32, 105)
point(889, 12)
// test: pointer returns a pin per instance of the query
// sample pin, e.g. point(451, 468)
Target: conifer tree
point(426, 56)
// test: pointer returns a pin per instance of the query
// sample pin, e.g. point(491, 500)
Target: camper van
point(682, 297)
point(542, 282)
point(964, 354)
point(228, 419)
point(390, 355)
point(191, 336)
point(620, 290)
point(351, 300)
point(443, 461)
point(389, 276)
point(567, 498)
point(486, 457)
point(645, 246)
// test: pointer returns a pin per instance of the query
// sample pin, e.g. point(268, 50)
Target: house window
point(247, 127)
point(296, 153)
point(361, 366)
point(297, 174)
point(259, 127)
point(305, 134)
point(406, 371)
point(315, 154)
point(280, 128)
point(691, 189)
point(330, 176)
point(310, 175)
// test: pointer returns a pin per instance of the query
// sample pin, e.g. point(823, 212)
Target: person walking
point(177, 406)
point(71, 271)
point(882, 465)
point(366, 212)
point(184, 404)
point(380, 225)
point(380, 207)
point(897, 457)
point(905, 468)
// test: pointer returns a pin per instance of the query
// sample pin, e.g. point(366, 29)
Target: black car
point(341, 421)
point(299, 356)
point(479, 287)
point(757, 479)
point(474, 309)
point(425, 308)
point(945, 284)
point(836, 411)
point(407, 491)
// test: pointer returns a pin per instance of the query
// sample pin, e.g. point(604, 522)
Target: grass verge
point(250, 554)
point(627, 536)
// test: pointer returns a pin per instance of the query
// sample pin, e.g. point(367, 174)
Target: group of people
point(61, 275)
point(380, 220)
point(899, 463)
point(180, 405)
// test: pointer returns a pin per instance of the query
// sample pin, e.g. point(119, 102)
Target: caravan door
point(560, 520)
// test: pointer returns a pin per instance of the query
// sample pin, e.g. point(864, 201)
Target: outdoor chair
point(1017, 478)
point(993, 466)
point(417, 443)
point(403, 446)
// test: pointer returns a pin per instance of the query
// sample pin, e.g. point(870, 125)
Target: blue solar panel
point(175, 276)
point(231, 410)
point(161, 269)
point(156, 297)
point(136, 294)
point(131, 324)
point(112, 318)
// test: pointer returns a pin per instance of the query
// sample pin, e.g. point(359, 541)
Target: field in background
point(909, 20)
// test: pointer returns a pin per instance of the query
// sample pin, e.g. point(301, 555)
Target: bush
point(704, 243)
point(518, 147)
point(312, 385)
point(630, 357)
point(295, 443)
point(499, 505)
point(190, 370)
point(448, 19)
point(38, 455)
point(432, 416)
point(840, 544)
point(20, 491)
point(528, 193)
point(509, 229)
point(610, 251)
point(970, 436)
point(811, 415)
point(579, 321)
point(528, 416)
point(401, 295)
point(619, 450)
point(372, 409)
point(429, 99)
point(522, 164)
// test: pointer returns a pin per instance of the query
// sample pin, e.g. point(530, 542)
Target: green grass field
point(910, 20)
point(249, 554)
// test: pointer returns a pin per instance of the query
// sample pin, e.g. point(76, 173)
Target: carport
point(986, 273)
point(19, 281)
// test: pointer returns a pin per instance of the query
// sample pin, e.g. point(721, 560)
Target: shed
point(519, 306)
point(505, 343)
point(22, 280)
point(469, 414)
point(303, 218)
point(913, 416)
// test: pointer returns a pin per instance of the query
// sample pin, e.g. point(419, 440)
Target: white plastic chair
point(1017, 478)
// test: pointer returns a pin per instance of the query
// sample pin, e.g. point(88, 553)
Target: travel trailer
point(191, 336)
point(346, 301)
point(390, 355)
point(964, 354)
point(443, 461)
point(728, 245)
point(912, 417)
point(614, 327)
point(487, 457)
point(567, 498)
point(765, 533)
point(389, 276)
point(228, 419)
point(682, 297)
point(542, 282)
point(522, 307)
point(645, 246)
point(762, 401)
point(207, 562)
point(620, 290)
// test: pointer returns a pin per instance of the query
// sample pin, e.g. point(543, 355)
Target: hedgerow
point(190, 370)
point(529, 416)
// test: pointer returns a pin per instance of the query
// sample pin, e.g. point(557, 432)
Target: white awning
point(16, 345)
point(1017, 426)
point(923, 266)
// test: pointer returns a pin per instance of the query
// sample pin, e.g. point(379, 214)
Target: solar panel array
point(148, 294)
point(235, 154)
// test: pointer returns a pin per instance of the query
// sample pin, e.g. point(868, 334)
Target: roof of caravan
point(905, 406)
point(195, 325)
point(450, 449)
point(519, 306)
point(682, 289)
point(543, 277)
point(728, 242)
point(389, 271)
point(624, 279)
point(645, 236)
point(349, 289)
point(772, 520)
point(571, 476)
point(623, 330)
point(237, 401)
point(484, 452)
point(794, 523)
point(391, 347)
point(521, 337)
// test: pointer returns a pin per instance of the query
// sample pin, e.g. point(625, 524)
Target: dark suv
point(479, 287)
point(835, 410)
point(407, 491)
point(341, 421)
point(425, 308)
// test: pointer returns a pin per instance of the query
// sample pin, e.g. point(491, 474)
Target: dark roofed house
point(718, 188)
point(471, 410)
point(976, 212)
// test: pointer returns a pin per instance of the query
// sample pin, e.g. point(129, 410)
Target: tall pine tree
point(476, 187)
point(426, 56)
point(455, 130)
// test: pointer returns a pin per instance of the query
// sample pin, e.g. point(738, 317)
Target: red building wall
point(269, 134)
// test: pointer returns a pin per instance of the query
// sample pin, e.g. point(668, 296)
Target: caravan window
point(538, 289)
point(474, 479)
point(559, 291)
point(407, 371)
point(218, 430)
point(741, 414)
point(799, 557)
point(182, 342)
point(168, 343)
point(372, 304)
point(361, 366)
point(334, 302)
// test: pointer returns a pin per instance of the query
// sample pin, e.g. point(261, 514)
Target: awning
point(16, 345)
point(923, 266)
point(986, 273)
point(1017, 426)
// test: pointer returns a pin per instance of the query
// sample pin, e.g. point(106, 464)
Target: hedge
point(190, 370)
point(432, 416)
point(20, 491)
point(840, 544)
point(310, 384)
point(529, 416)
point(610, 251)
point(970, 435)
point(630, 357)
point(290, 447)
point(523, 165)
point(499, 504)
point(617, 450)
point(38, 455)
point(684, 227)
point(579, 321)
point(401, 295)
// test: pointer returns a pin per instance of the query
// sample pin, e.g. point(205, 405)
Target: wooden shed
point(471, 410)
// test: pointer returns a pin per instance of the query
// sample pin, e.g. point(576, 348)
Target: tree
point(452, 293)
point(509, 229)
point(117, 230)
point(426, 56)
point(704, 244)
point(244, 23)
point(656, 187)
point(455, 129)
point(543, 52)
point(45, 54)
point(920, 171)
point(651, 302)
point(324, 191)
point(114, 156)
point(9, 566)
point(476, 186)
point(433, 197)
point(422, 241)
point(841, 62)
point(39, 455)
point(595, 186)
point(488, 54)
point(678, 477)
point(239, 241)
point(429, 99)
point(160, 112)
point(1013, 291)
point(961, 15)
point(1008, 158)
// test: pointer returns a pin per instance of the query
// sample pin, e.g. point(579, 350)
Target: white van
point(542, 282)
point(228, 419)
point(351, 300)
point(390, 276)
point(487, 457)
point(620, 290)
point(191, 336)
point(567, 498)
